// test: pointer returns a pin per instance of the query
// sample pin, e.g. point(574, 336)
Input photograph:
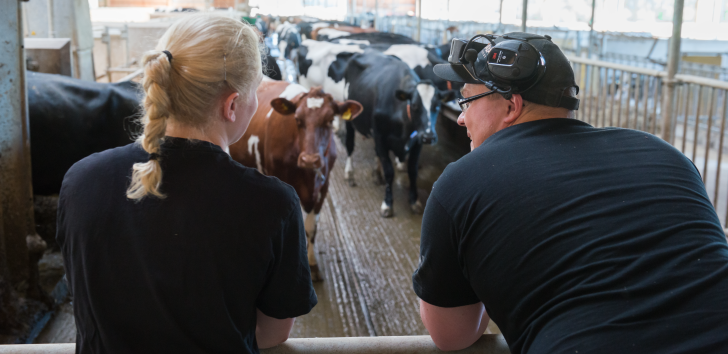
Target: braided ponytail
point(214, 56)
point(147, 176)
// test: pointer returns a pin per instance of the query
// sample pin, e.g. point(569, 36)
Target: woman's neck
point(210, 134)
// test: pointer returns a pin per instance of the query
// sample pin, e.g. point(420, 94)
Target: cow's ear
point(448, 95)
point(349, 109)
point(403, 95)
point(283, 106)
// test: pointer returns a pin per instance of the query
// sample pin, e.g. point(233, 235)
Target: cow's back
point(71, 119)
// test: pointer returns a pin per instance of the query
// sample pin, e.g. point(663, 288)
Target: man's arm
point(454, 328)
point(271, 331)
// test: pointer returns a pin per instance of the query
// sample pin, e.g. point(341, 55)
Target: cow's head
point(423, 107)
point(314, 113)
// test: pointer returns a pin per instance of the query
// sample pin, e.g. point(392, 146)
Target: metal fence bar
point(621, 90)
point(487, 344)
point(655, 99)
point(685, 118)
point(720, 149)
point(629, 102)
point(708, 132)
point(697, 122)
point(612, 94)
point(603, 96)
point(637, 100)
point(646, 103)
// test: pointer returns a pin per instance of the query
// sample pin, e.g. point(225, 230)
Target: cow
point(393, 97)
point(289, 39)
point(290, 137)
point(420, 58)
point(332, 32)
point(271, 68)
point(323, 64)
point(71, 119)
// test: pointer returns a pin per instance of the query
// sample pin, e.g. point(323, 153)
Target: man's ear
point(515, 108)
point(349, 109)
point(403, 95)
point(283, 106)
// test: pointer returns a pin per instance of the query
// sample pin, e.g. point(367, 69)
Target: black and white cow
point(71, 119)
point(420, 58)
point(394, 114)
point(271, 68)
point(289, 39)
point(323, 64)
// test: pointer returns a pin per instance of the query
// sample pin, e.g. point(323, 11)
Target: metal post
point(376, 14)
point(591, 29)
point(51, 31)
point(500, 16)
point(673, 60)
point(15, 187)
point(524, 16)
point(419, 20)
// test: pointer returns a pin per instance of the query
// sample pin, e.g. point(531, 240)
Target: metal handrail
point(133, 75)
point(487, 344)
point(615, 66)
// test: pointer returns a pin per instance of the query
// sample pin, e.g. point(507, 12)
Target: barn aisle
point(367, 261)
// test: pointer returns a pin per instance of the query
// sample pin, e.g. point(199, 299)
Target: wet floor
point(367, 261)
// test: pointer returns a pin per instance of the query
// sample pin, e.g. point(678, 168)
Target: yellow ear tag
point(347, 115)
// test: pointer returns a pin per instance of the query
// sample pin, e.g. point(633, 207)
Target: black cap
point(558, 77)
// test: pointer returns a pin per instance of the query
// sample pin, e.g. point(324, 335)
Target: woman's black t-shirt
point(183, 274)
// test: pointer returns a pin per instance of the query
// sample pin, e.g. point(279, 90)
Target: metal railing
point(686, 67)
point(487, 344)
point(616, 95)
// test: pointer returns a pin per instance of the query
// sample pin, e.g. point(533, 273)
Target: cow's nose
point(309, 161)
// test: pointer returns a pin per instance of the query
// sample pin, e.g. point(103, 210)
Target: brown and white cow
point(290, 137)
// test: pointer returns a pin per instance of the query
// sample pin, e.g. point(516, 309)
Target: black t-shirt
point(183, 274)
point(579, 240)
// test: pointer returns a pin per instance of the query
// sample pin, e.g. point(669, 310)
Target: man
point(575, 239)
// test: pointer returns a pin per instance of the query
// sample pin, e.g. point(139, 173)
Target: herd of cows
point(378, 84)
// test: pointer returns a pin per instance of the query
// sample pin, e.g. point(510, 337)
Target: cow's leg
point(386, 210)
point(310, 220)
point(401, 165)
point(378, 174)
point(412, 166)
point(349, 170)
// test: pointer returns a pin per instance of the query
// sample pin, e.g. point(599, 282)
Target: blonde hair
point(211, 56)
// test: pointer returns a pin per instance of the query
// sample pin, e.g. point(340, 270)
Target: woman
point(170, 246)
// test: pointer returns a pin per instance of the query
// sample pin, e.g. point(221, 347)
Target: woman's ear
point(229, 106)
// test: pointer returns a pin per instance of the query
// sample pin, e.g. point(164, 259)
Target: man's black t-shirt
point(183, 274)
point(579, 240)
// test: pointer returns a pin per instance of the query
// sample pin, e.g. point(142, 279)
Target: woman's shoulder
point(107, 161)
point(266, 189)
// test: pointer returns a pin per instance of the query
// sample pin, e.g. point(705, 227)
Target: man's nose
point(461, 119)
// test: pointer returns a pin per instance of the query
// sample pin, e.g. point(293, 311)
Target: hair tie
point(169, 56)
point(154, 156)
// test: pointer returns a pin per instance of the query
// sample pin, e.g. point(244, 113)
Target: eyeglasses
point(465, 102)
